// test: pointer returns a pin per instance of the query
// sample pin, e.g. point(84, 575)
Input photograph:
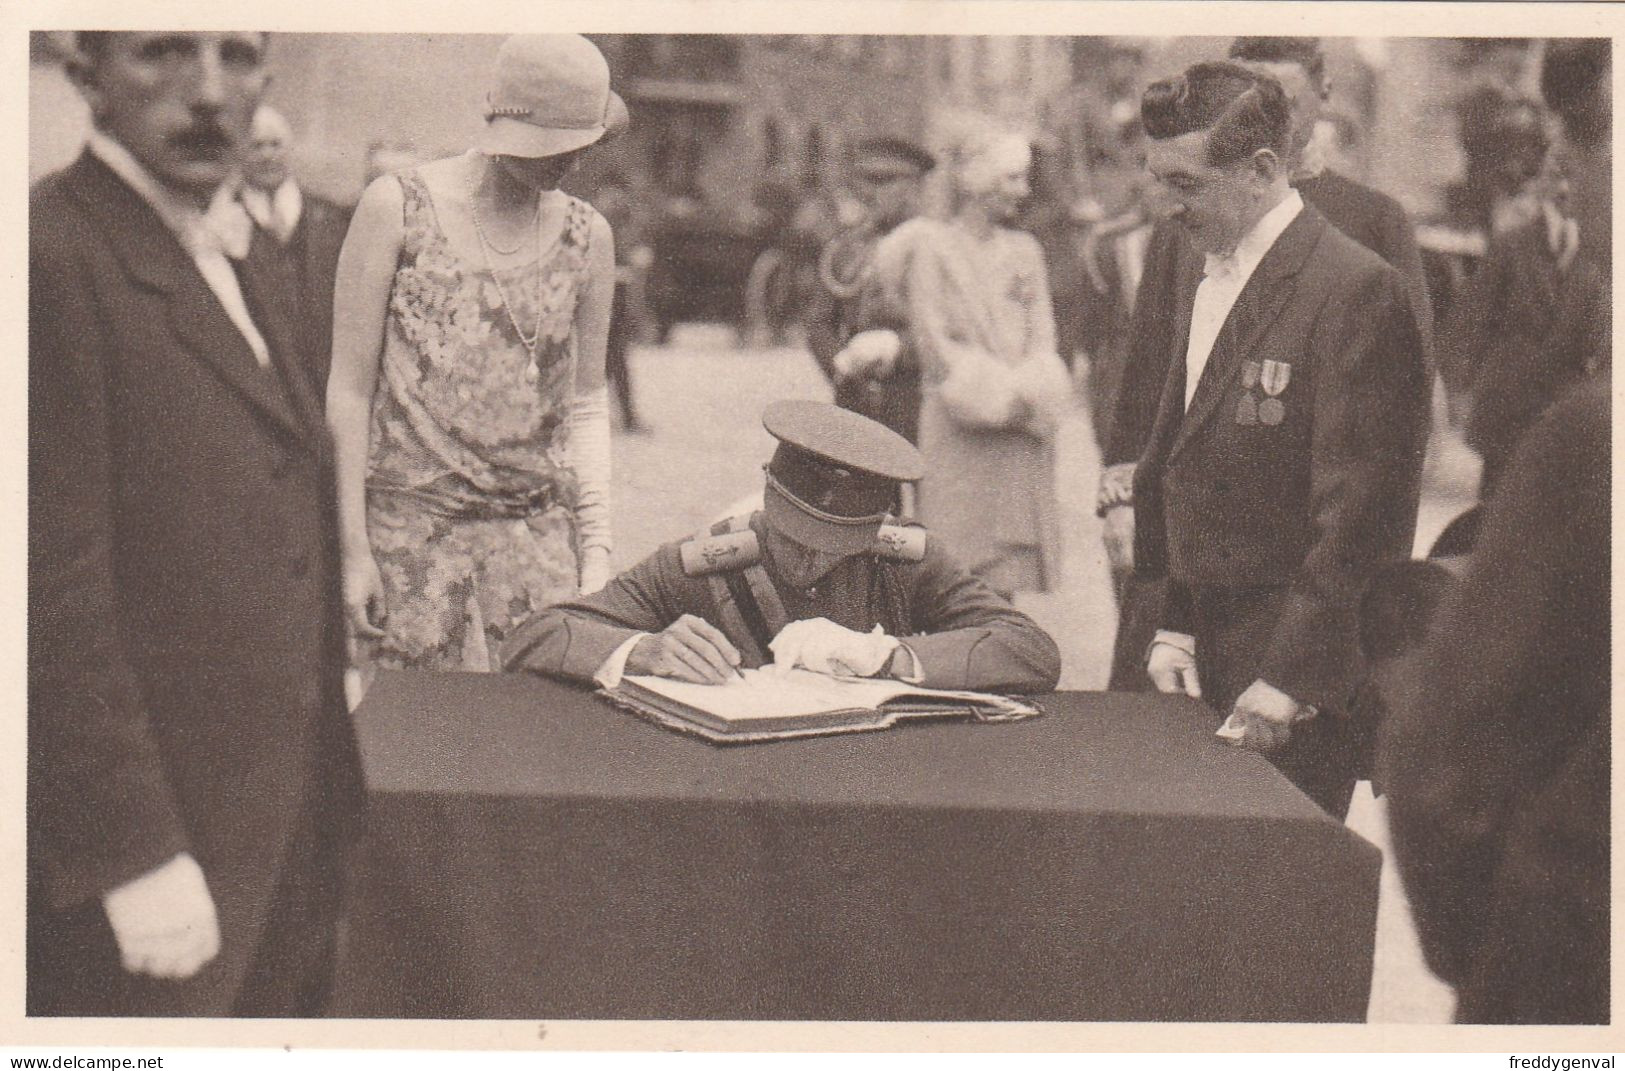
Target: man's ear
point(1267, 165)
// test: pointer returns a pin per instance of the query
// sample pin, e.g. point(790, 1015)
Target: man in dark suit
point(297, 235)
point(1531, 325)
point(1172, 268)
point(1497, 749)
point(189, 754)
point(1285, 459)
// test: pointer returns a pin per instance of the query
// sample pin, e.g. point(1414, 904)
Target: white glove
point(590, 460)
point(164, 921)
point(822, 646)
point(868, 353)
point(1172, 665)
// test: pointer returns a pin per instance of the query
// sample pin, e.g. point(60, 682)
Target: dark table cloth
point(534, 853)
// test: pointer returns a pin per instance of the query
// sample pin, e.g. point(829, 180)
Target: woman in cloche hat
point(467, 397)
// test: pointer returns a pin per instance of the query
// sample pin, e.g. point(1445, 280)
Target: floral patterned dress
point(470, 497)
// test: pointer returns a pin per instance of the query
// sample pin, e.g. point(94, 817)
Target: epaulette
point(707, 554)
point(901, 542)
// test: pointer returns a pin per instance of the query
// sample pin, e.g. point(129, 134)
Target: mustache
point(203, 139)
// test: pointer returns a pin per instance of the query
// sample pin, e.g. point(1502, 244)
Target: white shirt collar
point(220, 228)
point(1256, 242)
point(278, 211)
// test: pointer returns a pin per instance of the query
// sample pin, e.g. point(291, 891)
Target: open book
point(770, 704)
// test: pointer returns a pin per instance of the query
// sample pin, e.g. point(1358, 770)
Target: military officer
point(821, 578)
point(879, 378)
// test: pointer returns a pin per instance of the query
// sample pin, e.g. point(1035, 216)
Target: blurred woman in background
point(467, 397)
point(978, 303)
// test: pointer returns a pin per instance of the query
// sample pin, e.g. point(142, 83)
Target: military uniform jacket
point(892, 399)
point(964, 635)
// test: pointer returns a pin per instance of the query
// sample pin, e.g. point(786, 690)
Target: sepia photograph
point(945, 524)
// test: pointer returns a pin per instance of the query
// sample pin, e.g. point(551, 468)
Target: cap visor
point(506, 136)
point(809, 531)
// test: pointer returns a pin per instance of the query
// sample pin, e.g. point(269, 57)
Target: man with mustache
point(1284, 464)
point(189, 753)
point(820, 578)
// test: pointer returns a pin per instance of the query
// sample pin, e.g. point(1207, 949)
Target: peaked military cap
point(890, 158)
point(834, 476)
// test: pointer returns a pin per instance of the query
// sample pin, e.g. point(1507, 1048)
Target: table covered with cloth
point(532, 852)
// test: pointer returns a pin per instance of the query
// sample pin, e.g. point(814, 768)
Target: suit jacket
point(306, 266)
point(1524, 332)
point(1496, 747)
point(1172, 267)
point(185, 649)
point(964, 635)
point(1310, 506)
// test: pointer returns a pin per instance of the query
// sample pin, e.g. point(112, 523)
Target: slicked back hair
point(1304, 51)
point(1242, 111)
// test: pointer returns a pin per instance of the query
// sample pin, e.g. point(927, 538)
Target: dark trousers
point(1232, 629)
point(616, 369)
point(1138, 602)
point(74, 969)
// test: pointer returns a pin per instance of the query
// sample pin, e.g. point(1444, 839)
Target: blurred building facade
point(719, 115)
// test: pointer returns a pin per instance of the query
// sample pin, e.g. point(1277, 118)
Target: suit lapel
point(1171, 406)
point(154, 258)
point(1260, 302)
point(266, 290)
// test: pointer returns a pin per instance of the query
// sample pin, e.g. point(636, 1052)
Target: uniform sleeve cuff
point(614, 667)
point(916, 672)
point(1181, 640)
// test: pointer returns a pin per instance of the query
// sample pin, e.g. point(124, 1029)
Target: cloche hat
point(550, 95)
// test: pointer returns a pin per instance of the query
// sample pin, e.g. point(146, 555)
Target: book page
point(772, 693)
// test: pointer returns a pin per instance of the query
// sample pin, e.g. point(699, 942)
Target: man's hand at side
point(1172, 668)
point(689, 649)
point(1117, 533)
point(164, 921)
point(1263, 717)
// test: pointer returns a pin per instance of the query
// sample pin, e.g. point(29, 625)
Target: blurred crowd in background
point(735, 171)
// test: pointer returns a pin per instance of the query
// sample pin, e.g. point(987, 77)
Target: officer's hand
point(1118, 535)
point(1173, 669)
point(823, 646)
point(689, 649)
point(164, 921)
point(1263, 717)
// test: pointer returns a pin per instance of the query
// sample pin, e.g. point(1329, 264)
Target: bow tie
point(1214, 264)
point(225, 228)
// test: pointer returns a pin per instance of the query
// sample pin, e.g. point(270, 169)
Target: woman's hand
point(594, 569)
point(364, 605)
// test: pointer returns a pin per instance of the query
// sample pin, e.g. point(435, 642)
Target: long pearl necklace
point(486, 247)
